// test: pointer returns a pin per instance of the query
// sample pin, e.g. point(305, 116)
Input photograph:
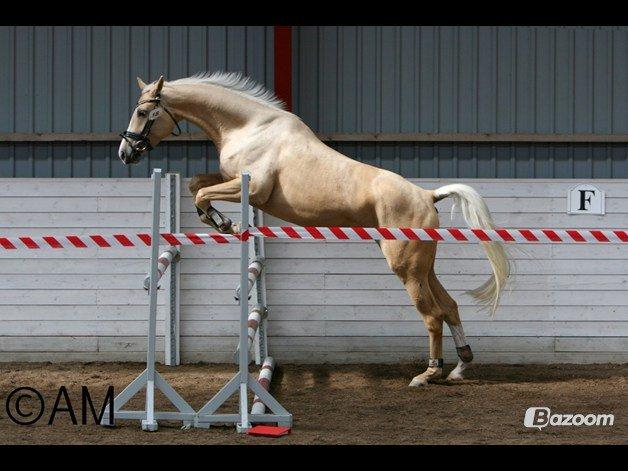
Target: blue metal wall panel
point(428, 160)
point(347, 79)
point(82, 78)
point(467, 79)
point(493, 160)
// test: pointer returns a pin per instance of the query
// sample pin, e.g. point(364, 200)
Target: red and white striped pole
point(444, 235)
point(164, 261)
point(451, 234)
point(255, 319)
point(255, 269)
point(265, 377)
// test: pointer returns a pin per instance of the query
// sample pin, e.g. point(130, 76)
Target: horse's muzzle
point(129, 159)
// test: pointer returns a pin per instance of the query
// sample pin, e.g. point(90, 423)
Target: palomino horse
point(295, 177)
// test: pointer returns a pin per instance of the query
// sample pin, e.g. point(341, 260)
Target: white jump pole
point(243, 425)
point(149, 423)
point(172, 281)
point(261, 345)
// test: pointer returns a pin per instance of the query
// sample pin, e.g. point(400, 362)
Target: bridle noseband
point(142, 143)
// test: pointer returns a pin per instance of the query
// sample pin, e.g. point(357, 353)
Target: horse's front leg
point(225, 191)
point(202, 180)
point(213, 217)
point(260, 189)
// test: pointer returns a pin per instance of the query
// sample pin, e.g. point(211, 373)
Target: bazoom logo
point(540, 417)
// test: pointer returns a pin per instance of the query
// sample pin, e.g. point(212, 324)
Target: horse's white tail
point(477, 216)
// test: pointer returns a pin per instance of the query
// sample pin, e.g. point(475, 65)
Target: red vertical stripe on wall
point(283, 64)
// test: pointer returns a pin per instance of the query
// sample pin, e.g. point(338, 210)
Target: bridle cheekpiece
point(139, 142)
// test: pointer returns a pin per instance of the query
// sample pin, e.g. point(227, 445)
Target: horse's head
point(150, 123)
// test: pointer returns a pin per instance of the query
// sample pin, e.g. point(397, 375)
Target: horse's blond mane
point(236, 82)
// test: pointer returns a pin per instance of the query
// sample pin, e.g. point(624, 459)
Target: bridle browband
point(142, 143)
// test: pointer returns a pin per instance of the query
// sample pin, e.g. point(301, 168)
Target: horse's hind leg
point(433, 321)
point(449, 308)
point(411, 262)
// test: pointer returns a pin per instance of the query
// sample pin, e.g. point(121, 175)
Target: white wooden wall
point(328, 302)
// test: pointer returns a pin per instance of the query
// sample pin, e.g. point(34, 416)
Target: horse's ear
point(160, 85)
point(140, 83)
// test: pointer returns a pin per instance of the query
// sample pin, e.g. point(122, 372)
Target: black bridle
point(139, 142)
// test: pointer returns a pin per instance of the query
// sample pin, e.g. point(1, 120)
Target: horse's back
point(317, 185)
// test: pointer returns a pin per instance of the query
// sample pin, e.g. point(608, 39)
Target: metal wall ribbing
point(81, 79)
point(468, 79)
point(550, 80)
point(462, 79)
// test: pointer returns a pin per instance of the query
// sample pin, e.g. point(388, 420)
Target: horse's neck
point(215, 110)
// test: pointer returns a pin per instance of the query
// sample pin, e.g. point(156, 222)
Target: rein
point(142, 143)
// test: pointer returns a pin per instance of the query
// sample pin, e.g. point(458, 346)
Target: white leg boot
point(464, 352)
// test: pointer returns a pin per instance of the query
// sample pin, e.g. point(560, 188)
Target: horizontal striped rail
point(447, 235)
point(114, 240)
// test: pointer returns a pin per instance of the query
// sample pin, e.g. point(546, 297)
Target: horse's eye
point(141, 113)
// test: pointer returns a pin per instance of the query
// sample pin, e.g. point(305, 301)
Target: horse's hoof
point(225, 226)
point(456, 373)
point(205, 220)
point(455, 376)
point(417, 382)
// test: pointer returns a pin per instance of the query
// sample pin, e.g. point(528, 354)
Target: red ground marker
point(268, 431)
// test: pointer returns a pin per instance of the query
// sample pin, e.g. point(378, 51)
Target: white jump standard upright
point(150, 378)
point(243, 380)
